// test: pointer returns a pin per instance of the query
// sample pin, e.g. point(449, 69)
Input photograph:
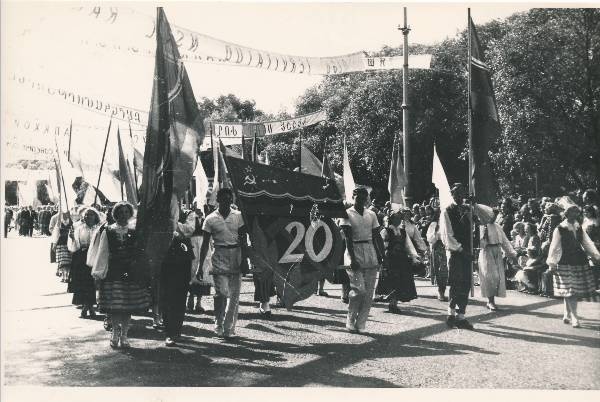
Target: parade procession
point(425, 215)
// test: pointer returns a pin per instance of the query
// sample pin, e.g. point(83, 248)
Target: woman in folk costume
point(60, 236)
point(82, 282)
point(120, 296)
point(399, 283)
point(439, 259)
point(493, 242)
point(568, 261)
point(199, 285)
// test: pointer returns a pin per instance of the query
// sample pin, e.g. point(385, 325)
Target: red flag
point(172, 143)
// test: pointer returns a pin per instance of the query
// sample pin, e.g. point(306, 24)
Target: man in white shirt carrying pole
point(226, 227)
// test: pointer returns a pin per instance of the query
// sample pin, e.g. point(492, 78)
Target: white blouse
point(82, 237)
point(410, 248)
point(555, 251)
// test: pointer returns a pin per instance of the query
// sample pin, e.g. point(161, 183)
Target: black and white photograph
point(207, 199)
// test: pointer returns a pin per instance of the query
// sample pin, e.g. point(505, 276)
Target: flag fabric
point(438, 177)
point(254, 150)
point(326, 170)
point(212, 200)
point(289, 217)
point(68, 180)
point(309, 163)
point(348, 178)
point(88, 157)
point(485, 123)
point(126, 173)
point(173, 135)
point(397, 179)
point(220, 179)
point(201, 184)
point(51, 188)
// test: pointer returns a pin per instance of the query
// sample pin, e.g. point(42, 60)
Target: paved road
point(524, 346)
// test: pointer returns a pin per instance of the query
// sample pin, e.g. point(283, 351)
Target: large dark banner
point(289, 217)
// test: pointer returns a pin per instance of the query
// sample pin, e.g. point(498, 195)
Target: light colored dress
point(493, 243)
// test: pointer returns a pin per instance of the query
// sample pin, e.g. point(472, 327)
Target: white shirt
point(224, 231)
point(82, 237)
point(362, 225)
point(495, 236)
point(413, 232)
point(555, 251)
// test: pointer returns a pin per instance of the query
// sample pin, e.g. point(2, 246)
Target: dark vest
point(572, 250)
point(461, 226)
point(63, 233)
point(121, 255)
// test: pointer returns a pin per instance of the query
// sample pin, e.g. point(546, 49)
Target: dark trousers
point(30, 231)
point(6, 226)
point(175, 279)
point(459, 279)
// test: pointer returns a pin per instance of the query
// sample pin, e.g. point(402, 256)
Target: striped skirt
point(575, 280)
point(63, 255)
point(123, 297)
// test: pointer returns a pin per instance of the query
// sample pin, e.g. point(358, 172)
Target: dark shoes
point(394, 309)
point(463, 324)
point(451, 321)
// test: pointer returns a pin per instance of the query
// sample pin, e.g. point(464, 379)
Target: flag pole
point(255, 148)
point(134, 159)
point(243, 156)
point(408, 187)
point(62, 178)
point(300, 147)
point(470, 122)
point(119, 152)
point(102, 162)
point(70, 134)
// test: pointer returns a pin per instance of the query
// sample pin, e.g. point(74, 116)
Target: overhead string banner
point(232, 133)
point(93, 104)
point(198, 47)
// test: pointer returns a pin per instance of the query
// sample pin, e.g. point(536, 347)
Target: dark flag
point(485, 125)
point(289, 217)
point(173, 136)
point(126, 174)
point(326, 170)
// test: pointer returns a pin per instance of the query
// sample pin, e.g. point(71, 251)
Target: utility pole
point(408, 188)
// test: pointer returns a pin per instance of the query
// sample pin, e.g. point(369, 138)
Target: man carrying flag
point(455, 232)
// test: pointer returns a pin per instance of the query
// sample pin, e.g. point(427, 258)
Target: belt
point(226, 246)
point(361, 241)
